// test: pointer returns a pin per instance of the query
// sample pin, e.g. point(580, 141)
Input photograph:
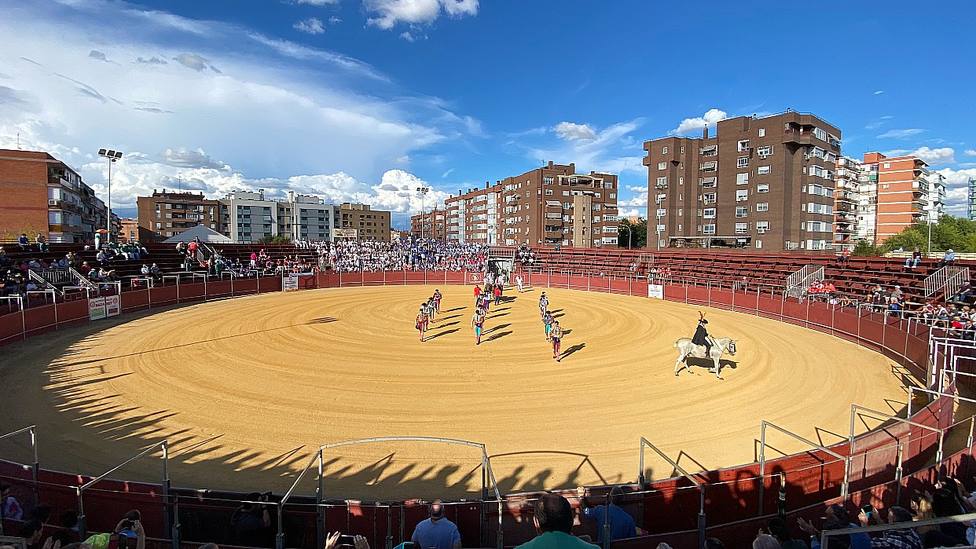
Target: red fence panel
point(12, 327)
point(374, 279)
point(218, 288)
point(583, 282)
point(39, 319)
point(794, 312)
point(455, 277)
point(557, 280)
point(819, 314)
point(620, 286)
point(247, 285)
point(162, 295)
point(72, 312)
point(721, 299)
point(135, 300)
point(746, 301)
point(697, 294)
point(191, 292)
point(675, 292)
point(415, 277)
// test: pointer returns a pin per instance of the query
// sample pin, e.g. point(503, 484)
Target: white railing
point(81, 280)
point(41, 279)
point(798, 282)
point(948, 278)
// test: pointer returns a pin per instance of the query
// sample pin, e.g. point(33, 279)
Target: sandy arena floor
point(245, 389)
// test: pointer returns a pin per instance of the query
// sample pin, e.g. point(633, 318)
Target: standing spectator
point(9, 506)
point(777, 528)
point(41, 243)
point(621, 523)
point(436, 532)
point(554, 521)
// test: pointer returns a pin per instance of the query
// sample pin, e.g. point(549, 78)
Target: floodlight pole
point(112, 156)
point(423, 192)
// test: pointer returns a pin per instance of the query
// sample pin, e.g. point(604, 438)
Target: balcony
point(797, 136)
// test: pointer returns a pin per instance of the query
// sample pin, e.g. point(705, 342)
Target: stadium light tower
point(113, 156)
point(423, 192)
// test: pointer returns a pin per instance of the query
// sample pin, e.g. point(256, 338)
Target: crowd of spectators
point(413, 254)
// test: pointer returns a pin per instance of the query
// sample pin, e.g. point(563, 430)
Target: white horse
point(687, 349)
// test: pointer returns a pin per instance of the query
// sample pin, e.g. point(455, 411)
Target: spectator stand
point(946, 281)
point(489, 487)
point(826, 535)
point(798, 281)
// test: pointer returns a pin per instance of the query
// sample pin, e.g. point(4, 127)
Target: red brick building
point(432, 224)
point(43, 195)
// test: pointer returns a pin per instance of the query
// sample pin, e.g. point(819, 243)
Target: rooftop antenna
point(18, 141)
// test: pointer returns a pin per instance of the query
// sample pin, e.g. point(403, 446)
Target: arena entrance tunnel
point(488, 482)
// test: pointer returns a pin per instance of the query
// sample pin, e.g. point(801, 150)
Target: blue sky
point(366, 99)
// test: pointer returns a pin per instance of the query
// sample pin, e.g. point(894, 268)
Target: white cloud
point(318, 3)
point(970, 152)
point(312, 25)
point(266, 116)
point(571, 131)
point(386, 14)
point(599, 153)
point(447, 173)
point(335, 20)
point(943, 155)
point(628, 212)
point(878, 92)
point(407, 36)
point(900, 134)
point(710, 118)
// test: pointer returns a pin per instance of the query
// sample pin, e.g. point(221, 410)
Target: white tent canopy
point(204, 233)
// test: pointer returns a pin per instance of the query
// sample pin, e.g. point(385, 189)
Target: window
point(660, 228)
point(741, 228)
point(762, 226)
point(709, 198)
point(681, 180)
point(762, 170)
point(742, 162)
point(762, 206)
point(708, 229)
point(661, 212)
point(565, 193)
point(547, 180)
point(758, 244)
point(762, 132)
point(742, 178)
point(662, 165)
point(764, 151)
point(741, 211)
point(887, 165)
point(820, 134)
point(664, 150)
point(548, 192)
point(743, 145)
point(762, 188)
point(662, 181)
point(708, 182)
point(742, 195)
point(708, 213)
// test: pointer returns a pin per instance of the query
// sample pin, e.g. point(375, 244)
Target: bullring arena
point(245, 390)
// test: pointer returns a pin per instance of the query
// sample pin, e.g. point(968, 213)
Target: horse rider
point(701, 336)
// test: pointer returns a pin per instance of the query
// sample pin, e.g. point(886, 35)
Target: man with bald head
point(436, 532)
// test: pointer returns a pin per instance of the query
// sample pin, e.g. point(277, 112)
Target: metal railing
point(762, 459)
point(45, 282)
point(963, 519)
point(82, 280)
point(944, 277)
point(31, 431)
point(702, 523)
point(798, 282)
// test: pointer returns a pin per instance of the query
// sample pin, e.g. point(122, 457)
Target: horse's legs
point(677, 363)
point(718, 365)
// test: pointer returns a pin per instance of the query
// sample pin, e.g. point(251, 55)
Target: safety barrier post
point(319, 507)
point(702, 523)
point(898, 472)
point(177, 290)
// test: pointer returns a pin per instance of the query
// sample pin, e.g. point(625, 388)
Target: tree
point(956, 233)
point(276, 239)
point(863, 248)
point(639, 237)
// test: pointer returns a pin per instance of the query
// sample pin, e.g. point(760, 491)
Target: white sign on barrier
point(113, 305)
point(290, 283)
point(655, 290)
point(96, 308)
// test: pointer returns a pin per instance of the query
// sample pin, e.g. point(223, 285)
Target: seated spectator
point(436, 532)
point(553, 520)
point(154, 271)
point(836, 518)
point(964, 294)
point(41, 242)
point(945, 504)
point(621, 523)
point(905, 538)
point(144, 270)
point(32, 531)
point(948, 258)
point(766, 541)
point(23, 242)
point(9, 506)
point(914, 260)
point(845, 257)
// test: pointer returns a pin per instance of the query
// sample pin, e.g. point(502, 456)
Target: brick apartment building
point(901, 191)
point(432, 224)
point(545, 206)
point(165, 214)
point(369, 224)
point(43, 195)
point(764, 183)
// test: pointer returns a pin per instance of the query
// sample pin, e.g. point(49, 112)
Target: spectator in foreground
point(837, 518)
point(621, 523)
point(554, 521)
point(9, 506)
point(765, 541)
point(778, 529)
point(905, 538)
point(436, 532)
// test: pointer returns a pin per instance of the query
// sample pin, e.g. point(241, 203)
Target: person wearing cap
point(553, 519)
point(436, 532)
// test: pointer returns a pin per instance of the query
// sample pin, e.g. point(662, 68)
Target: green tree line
point(956, 233)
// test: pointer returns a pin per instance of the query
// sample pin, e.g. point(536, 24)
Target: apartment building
point(763, 183)
point(368, 224)
point(849, 202)
point(551, 205)
point(907, 192)
point(432, 224)
point(166, 213)
point(971, 199)
point(249, 216)
point(42, 195)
